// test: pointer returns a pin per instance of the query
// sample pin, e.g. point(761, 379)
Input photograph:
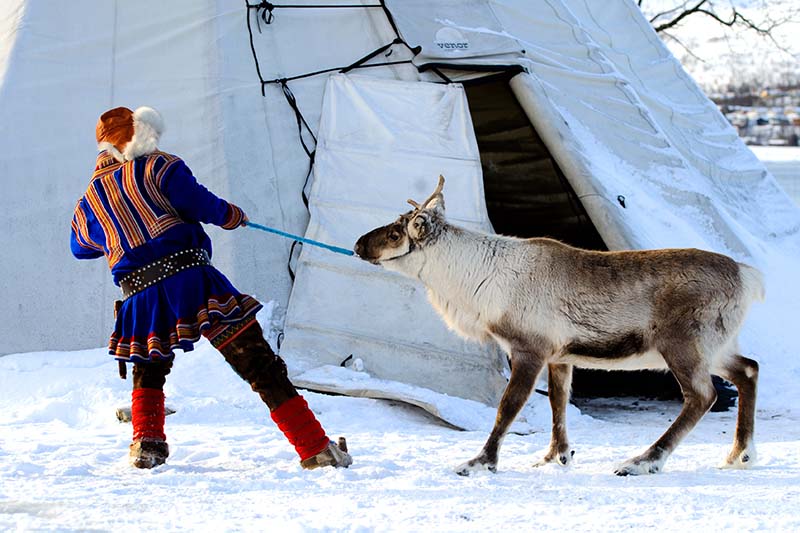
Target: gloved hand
point(235, 218)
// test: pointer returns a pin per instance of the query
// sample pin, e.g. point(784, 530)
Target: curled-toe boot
point(149, 447)
point(333, 455)
point(253, 359)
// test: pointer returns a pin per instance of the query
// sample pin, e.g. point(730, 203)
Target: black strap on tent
point(253, 48)
point(390, 18)
point(360, 63)
point(495, 71)
point(357, 64)
point(334, 69)
point(291, 254)
point(504, 70)
point(264, 13)
point(372, 54)
point(439, 73)
point(301, 121)
point(264, 9)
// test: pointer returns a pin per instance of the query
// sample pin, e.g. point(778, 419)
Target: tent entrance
point(527, 195)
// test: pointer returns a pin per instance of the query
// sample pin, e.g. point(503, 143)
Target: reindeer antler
point(438, 190)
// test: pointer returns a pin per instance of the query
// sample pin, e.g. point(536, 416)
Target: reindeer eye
point(393, 236)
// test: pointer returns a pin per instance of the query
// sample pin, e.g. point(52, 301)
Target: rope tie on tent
point(264, 12)
point(360, 63)
point(289, 262)
point(264, 9)
point(301, 122)
point(372, 54)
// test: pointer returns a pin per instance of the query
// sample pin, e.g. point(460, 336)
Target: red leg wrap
point(301, 427)
point(147, 414)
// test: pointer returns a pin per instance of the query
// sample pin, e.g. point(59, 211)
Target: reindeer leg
point(743, 373)
point(698, 397)
point(524, 370)
point(559, 383)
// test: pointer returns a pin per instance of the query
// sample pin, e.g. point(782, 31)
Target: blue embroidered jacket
point(139, 211)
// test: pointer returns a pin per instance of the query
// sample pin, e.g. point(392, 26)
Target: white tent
point(373, 93)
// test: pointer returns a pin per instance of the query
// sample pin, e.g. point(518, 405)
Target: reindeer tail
point(752, 283)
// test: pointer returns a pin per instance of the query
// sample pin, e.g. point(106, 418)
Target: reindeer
point(549, 304)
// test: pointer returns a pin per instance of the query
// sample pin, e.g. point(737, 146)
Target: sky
point(717, 56)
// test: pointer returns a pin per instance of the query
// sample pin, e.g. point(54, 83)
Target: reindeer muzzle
point(360, 249)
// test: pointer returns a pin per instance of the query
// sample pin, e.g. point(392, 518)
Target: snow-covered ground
point(63, 463)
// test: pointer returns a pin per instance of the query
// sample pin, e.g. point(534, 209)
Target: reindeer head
point(412, 230)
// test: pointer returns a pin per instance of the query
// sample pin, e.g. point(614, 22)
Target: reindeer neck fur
point(464, 272)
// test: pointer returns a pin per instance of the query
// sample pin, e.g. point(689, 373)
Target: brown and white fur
point(148, 125)
point(550, 305)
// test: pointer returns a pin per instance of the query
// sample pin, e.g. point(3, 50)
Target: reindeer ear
point(437, 203)
point(419, 226)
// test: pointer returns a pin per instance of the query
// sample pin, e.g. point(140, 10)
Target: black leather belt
point(149, 275)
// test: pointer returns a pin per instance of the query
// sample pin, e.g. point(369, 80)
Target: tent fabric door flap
point(382, 142)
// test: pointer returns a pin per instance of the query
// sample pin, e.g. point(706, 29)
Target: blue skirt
point(175, 312)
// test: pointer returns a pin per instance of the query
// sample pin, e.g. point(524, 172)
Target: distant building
point(769, 116)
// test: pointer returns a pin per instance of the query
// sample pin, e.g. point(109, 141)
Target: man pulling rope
point(142, 211)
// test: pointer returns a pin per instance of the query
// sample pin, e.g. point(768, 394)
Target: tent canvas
point(379, 142)
point(621, 147)
point(628, 127)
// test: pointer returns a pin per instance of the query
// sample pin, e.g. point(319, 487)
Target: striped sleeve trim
point(234, 218)
point(81, 229)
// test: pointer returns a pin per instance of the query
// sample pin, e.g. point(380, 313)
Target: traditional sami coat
point(137, 212)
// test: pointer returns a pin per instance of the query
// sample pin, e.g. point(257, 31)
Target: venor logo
point(450, 39)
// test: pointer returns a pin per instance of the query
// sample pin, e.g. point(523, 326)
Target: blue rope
point(301, 239)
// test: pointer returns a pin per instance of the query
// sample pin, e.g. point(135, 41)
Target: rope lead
point(343, 251)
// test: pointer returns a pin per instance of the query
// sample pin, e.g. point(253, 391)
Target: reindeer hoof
point(740, 459)
point(475, 465)
point(563, 459)
point(638, 467)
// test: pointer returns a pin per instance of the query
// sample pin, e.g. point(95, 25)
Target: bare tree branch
point(736, 19)
point(680, 43)
point(682, 15)
point(774, 21)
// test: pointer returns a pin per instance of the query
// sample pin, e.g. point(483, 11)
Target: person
point(143, 211)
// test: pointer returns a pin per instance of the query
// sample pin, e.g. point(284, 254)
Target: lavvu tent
point(563, 118)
